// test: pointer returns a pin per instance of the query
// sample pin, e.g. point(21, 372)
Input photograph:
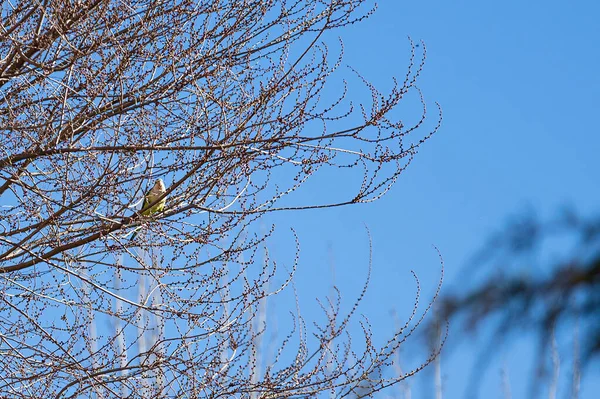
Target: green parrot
point(151, 196)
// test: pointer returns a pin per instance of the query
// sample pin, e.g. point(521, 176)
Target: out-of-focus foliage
point(542, 277)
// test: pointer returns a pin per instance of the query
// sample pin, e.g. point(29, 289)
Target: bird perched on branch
point(151, 196)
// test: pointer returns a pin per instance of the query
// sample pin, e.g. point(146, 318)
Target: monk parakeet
point(151, 196)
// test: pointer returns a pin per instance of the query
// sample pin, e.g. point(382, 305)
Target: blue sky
point(520, 89)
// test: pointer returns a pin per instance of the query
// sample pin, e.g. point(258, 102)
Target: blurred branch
point(561, 292)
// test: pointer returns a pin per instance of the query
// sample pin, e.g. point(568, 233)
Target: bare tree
point(223, 101)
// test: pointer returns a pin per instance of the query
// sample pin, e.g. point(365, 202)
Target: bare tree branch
point(234, 104)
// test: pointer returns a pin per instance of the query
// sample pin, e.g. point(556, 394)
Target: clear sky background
point(519, 84)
